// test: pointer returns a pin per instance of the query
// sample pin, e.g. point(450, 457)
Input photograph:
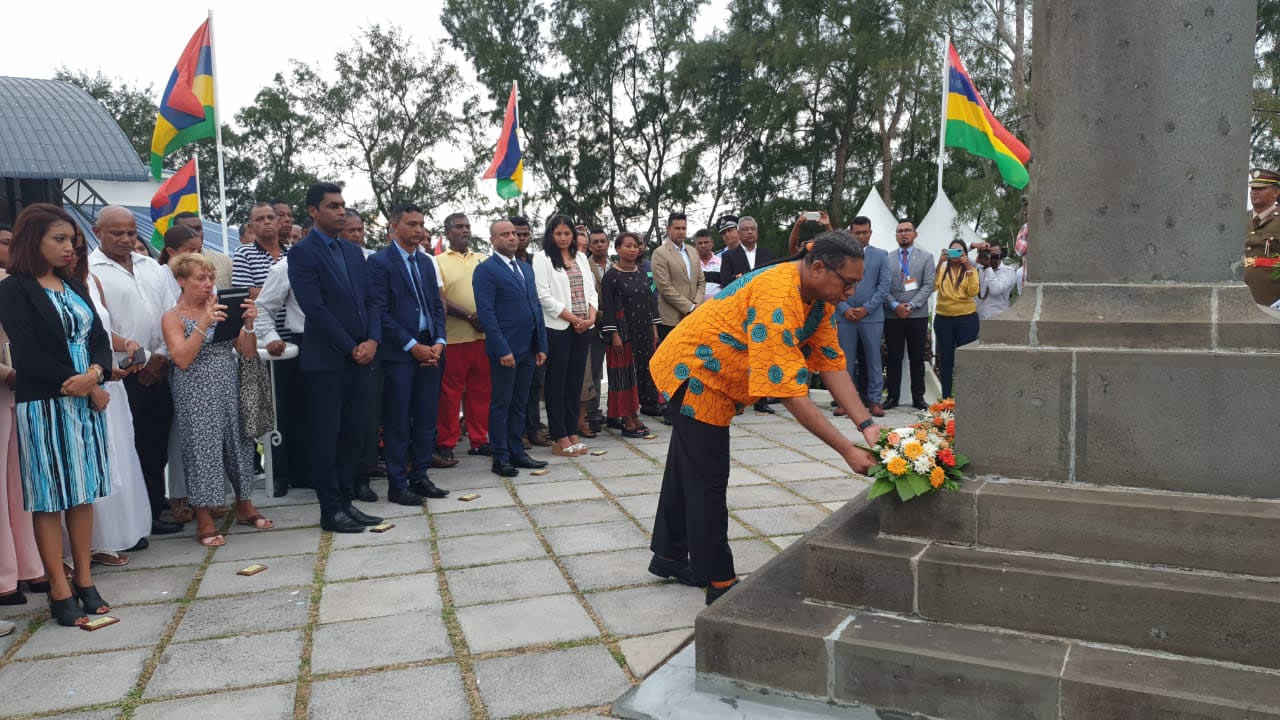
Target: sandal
point(181, 511)
point(217, 513)
point(563, 452)
point(38, 586)
point(108, 559)
point(635, 433)
point(90, 600)
point(211, 539)
point(67, 611)
point(578, 449)
point(256, 521)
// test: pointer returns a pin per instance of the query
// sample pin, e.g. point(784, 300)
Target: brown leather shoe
point(443, 458)
point(876, 410)
point(539, 438)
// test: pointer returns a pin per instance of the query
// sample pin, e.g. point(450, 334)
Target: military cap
point(1261, 178)
point(730, 222)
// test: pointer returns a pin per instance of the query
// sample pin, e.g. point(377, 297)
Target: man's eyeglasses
point(848, 284)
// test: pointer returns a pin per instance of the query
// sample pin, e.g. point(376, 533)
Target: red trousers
point(466, 367)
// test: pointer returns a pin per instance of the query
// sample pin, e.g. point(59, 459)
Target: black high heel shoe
point(90, 600)
point(14, 598)
point(38, 587)
point(66, 611)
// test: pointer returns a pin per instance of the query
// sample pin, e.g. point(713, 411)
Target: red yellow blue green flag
point(187, 108)
point(971, 126)
point(508, 161)
point(179, 193)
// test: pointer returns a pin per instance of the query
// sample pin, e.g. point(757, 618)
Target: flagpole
point(942, 123)
point(195, 158)
point(217, 127)
point(515, 87)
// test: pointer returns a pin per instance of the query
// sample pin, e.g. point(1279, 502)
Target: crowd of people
point(129, 411)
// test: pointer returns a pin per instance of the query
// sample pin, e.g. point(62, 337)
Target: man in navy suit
point(340, 339)
point(403, 292)
point(515, 340)
point(862, 320)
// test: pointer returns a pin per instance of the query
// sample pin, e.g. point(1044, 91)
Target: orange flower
point(912, 450)
point(937, 476)
point(893, 439)
point(946, 457)
point(951, 428)
point(896, 465)
point(921, 435)
point(938, 421)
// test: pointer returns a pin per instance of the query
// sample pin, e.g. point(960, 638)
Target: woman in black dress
point(629, 329)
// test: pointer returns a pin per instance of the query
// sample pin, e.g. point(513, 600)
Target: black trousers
point(664, 331)
point(913, 332)
point(373, 413)
point(693, 517)
point(152, 408)
point(289, 458)
point(567, 352)
point(533, 412)
point(337, 406)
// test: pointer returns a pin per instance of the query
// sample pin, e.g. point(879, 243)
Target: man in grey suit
point(862, 320)
point(911, 272)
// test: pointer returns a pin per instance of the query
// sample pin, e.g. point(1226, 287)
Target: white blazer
point(553, 288)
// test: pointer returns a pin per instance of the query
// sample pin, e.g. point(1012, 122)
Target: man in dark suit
point(740, 260)
point(515, 341)
point(404, 294)
point(340, 339)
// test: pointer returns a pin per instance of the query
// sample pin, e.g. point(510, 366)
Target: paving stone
point(783, 541)
point(834, 506)
point(379, 641)
point(139, 626)
point(226, 663)
point(434, 692)
point(495, 548)
point(752, 496)
point(636, 485)
point(495, 583)
point(749, 555)
point(736, 530)
point(574, 539)
point(414, 529)
point(520, 623)
point(161, 553)
point(47, 685)
point(621, 468)
point(555, 473)
point(824, 452)
point(748, 441)
point(284, 517)
point(645, 652)
point(739, 476)
point(841, 489)
point(767, 456)
point(797, 471)
point(655, 450)
point(138, 586)
point(265, 703)
point(384, 508)
point(273, 543)
point(90, 715)
point(9, 639)
point(378, 598)
point(266, 610)
point(456, 482)
point(489, 498)
point(14, 613)
point(610, 569)
point(539, 682)
point(641, 507)
point(297, 496)
point(220, 578)
point(783, 520)
point(503, 519)
point(649, 609)
point(575, 513)
point(558, 492)
point(750, 417)
point(377, 560)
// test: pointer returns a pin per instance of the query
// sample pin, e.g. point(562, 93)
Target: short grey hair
point(746, 219)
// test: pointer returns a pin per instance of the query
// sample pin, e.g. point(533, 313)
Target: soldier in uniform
point(1262, 244)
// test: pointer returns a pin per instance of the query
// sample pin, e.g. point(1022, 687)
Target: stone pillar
point(1133, 359)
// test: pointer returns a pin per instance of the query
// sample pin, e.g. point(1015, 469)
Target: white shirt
point(138, 300)
point(274, 294)
point(712, 265)
point(688, 270)
point(995, 287)
point(751, 256)
point(434, 266)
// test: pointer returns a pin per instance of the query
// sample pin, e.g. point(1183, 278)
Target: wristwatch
point(866, 424)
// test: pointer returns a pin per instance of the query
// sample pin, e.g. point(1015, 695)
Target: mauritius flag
point(508, 162)
point(970, 125)
point(186, 110)
point(179, 193)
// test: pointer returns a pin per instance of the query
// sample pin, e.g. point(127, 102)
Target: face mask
point(955, 253)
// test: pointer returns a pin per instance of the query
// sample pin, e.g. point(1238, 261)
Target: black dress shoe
point(528, 463)
point(282, 489)
point(142, 544)
point(505, 469)
point(714, 593)
point(763, 407)
point(485, 450)
point(363, 518)
point(17, 597)
point(164, 527)
point(404, 497)
point(890, 404)
point(341, 522)
point(364, 493)
point(428, 489)
point(677, 570)
point(919, 404)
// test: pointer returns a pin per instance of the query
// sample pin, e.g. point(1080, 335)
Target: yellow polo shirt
point(757, 338)
point(457, 270)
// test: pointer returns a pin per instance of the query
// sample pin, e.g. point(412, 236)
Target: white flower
point(923, 465)
point(931, 448)
point(905, 433)
point(888, 455)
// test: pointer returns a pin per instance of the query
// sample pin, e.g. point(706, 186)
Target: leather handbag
point(257, 415)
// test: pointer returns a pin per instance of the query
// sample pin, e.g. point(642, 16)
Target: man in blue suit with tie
point(403, 292)
point(862, 320)
point(340, 339)
point(515, 340)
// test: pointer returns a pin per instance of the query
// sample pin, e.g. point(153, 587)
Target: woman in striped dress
point(60, 353)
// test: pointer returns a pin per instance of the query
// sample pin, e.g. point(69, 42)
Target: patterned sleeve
point(607, 319)
point(821, 348)
point(774, 328)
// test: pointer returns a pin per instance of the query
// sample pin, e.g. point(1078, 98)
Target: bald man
point(138, 292)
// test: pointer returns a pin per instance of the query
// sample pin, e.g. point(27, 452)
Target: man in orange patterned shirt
point(762, 336)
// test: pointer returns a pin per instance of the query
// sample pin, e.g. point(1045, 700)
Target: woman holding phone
point(956, 321)
point(205, 378)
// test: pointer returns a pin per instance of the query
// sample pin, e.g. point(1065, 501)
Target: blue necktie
point(415, 279)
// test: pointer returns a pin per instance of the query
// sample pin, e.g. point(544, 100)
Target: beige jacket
point(678, 292)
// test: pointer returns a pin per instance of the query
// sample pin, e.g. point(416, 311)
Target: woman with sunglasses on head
point(956, 321)
point(62, 356)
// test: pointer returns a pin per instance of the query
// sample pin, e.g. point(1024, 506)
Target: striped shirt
point(249, 267)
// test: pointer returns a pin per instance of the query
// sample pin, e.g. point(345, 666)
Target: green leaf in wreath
point(905, 491)
point(961, 460)
point(919, 484)
point(880, 487)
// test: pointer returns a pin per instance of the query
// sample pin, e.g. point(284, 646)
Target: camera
point(812, 216)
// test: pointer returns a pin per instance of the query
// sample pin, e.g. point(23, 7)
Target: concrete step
point(1230, 535)
point(1192, 613)
point(944, 671)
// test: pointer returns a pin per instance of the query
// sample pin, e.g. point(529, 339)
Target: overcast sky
point(139, 41)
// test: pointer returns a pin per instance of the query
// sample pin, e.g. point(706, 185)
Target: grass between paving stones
point(302, 693)
point(449, 615)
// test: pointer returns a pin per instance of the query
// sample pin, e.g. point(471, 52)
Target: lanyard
point(905, 262)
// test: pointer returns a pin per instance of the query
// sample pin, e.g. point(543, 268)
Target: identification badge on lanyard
point(909, 283)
